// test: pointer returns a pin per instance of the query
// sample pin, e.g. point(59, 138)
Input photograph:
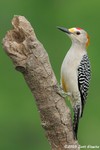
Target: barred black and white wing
point(84, 75)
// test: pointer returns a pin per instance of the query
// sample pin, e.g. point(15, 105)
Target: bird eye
point(78, 33)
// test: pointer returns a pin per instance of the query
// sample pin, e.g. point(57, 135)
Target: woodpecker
point(76, 72)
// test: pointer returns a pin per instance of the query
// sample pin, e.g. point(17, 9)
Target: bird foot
point(62, 93)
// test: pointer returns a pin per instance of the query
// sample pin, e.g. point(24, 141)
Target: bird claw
point(65, 94)
point(62, 93)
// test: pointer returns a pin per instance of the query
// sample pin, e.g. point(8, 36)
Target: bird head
point(77, 35)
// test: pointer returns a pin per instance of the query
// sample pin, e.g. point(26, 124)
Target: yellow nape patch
point(64, 86)
point(72, 30)
point(88, 41)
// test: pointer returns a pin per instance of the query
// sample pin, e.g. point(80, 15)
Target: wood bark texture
point(31, 59)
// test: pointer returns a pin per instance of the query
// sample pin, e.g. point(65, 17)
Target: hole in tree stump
point(18, 36)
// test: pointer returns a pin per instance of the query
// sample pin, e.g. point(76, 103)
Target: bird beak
point(64, 30)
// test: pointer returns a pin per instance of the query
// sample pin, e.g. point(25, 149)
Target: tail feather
point(82, 110)
point(76, 120)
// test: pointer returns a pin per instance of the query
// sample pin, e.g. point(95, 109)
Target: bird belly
point(69, 80)
point(69, 72)
point(69, 75)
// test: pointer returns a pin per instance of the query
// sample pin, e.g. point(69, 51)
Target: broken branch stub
point(30, 58)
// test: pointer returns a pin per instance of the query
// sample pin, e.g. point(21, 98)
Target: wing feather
point(84, 75)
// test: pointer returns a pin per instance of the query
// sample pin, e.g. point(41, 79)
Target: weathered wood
point(30, 58)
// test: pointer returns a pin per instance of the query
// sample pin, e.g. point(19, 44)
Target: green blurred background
point(20, 127)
